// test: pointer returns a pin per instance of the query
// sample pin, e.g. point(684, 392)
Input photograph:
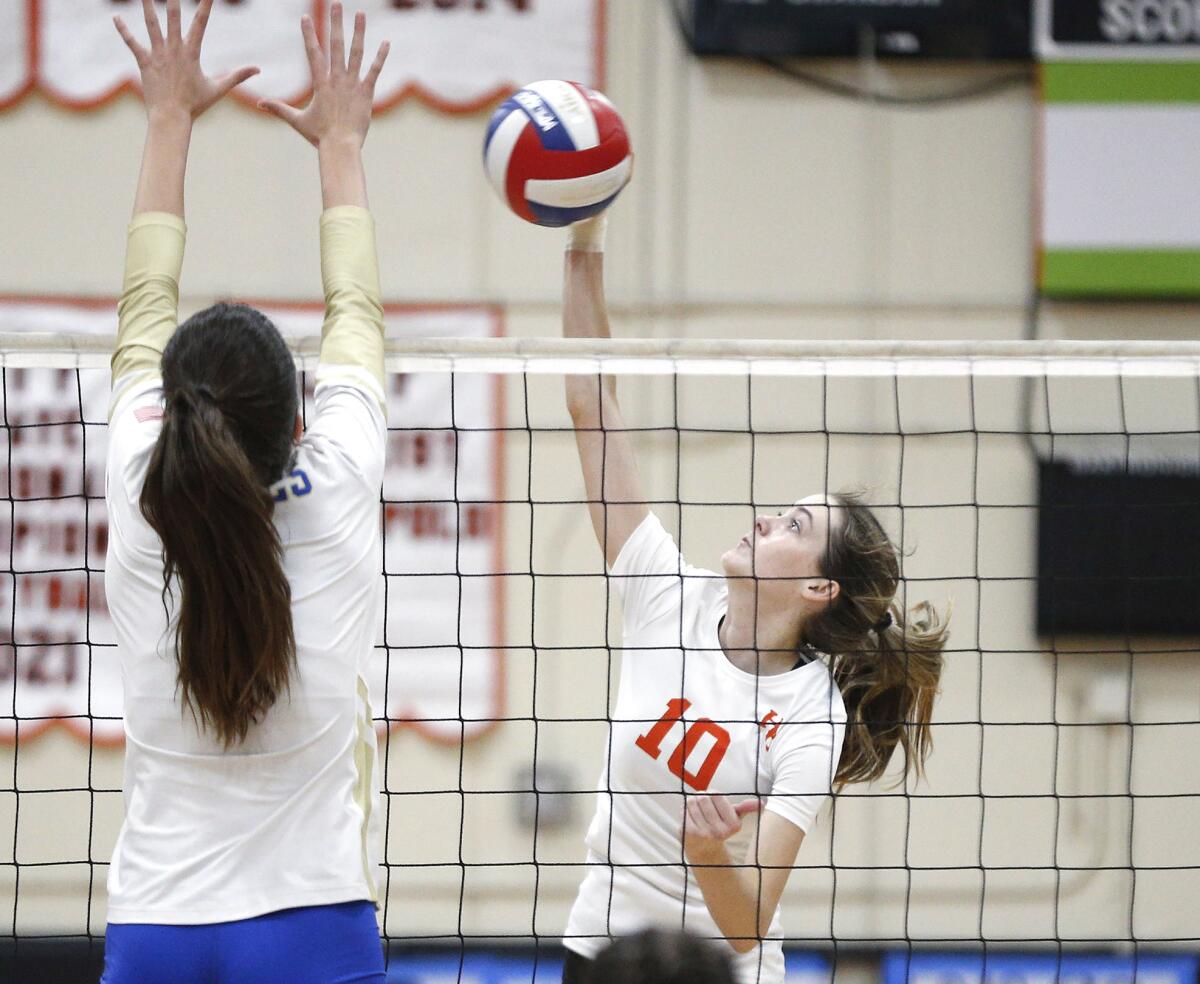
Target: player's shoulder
point(135, 423)
point(704, 590)
point(135, 394)
point(349, 398)
point(814, 690)
point(346, 434)
point(648, 550)
point(315, 466)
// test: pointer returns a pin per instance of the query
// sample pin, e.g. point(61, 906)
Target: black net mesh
point(1057, 511)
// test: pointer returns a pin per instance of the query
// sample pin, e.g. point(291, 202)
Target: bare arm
point(741, 897)
point(336, 122)
point(164, 164)
point(337, 119)
point(343, 178)
point(616, 499)
point(176, 92)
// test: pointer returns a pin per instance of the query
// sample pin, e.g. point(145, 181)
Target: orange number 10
point(651, 744)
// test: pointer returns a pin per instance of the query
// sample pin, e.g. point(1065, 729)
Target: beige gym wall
point(760, 208)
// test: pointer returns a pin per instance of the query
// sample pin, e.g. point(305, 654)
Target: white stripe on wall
point(1122, 176)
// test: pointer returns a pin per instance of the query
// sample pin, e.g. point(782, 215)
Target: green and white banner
point(1120, 202)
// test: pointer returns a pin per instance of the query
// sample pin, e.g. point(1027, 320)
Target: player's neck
point(754, 642)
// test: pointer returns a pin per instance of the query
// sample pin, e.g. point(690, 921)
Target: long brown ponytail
point(886, 663)
point(230, 391)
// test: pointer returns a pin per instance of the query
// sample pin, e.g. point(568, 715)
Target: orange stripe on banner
point(87, 303)
point(70, 725)
point(52, 95)
point(433, 101)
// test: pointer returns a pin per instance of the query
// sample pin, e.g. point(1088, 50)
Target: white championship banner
point(16, 48)
point(439, 668)
point(456, 55)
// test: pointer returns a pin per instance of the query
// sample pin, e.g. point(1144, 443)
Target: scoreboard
point(1118, 216)
point(1149, 30)
point(969, 29)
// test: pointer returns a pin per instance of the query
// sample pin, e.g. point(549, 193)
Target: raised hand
point(173, 84)
point(340, 109)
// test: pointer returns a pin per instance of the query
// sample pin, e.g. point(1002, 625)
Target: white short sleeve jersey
point(688, 721)
point(289, 817)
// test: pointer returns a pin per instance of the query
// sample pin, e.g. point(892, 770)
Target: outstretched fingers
point(174, 21)
point(152, 28)
point(337, 40)
point(312, 47)
point(289, 114)
point(377, 65)
point(140, 53)
point(231, 81)
point(356, 45)
point(195, 36)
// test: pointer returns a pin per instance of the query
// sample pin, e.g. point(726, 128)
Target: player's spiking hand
point(173, 83)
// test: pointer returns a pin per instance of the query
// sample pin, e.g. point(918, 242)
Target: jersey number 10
point(651, 744)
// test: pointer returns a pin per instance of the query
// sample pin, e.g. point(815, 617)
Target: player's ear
point(822, 589)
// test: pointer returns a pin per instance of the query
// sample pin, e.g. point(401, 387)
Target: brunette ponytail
point(230, 392)
point(887, 663)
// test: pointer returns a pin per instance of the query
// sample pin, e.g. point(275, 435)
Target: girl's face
point(783, 554)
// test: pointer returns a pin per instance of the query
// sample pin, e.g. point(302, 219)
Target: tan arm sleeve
point(148, 311)
point(352, 335)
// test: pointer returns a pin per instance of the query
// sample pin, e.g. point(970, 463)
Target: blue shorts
point(322, 944)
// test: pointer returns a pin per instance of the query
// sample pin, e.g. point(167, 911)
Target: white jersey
point(288, 817)
point(777, 736)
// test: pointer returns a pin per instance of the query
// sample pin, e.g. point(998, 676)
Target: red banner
point(439, 667)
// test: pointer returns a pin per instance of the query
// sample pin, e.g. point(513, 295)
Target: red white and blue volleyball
point(557, 152)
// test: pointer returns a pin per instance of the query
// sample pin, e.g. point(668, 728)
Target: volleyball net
point(1049, 491)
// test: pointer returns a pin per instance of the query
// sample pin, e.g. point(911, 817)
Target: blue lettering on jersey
point(297, 489)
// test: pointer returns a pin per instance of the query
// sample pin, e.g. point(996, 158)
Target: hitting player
point(748, 692)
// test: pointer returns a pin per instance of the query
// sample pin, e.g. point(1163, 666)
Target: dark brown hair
point(229, 385)
point(657, 956)
point(886, 663)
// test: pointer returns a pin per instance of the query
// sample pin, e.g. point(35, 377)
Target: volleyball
point(557, 152)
